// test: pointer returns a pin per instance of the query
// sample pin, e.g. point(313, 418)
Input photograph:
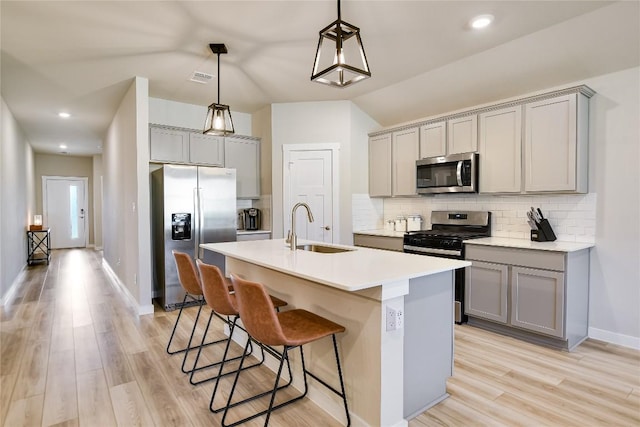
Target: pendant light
point(340, 58)
point(218, 121)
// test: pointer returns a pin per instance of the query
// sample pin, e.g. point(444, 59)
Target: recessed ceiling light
point(64, 115)
point(63, 146)
point(481, 21)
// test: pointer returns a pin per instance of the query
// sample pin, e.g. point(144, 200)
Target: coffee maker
point(252, 219)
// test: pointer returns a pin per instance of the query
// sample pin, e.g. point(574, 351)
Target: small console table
point(38, 246)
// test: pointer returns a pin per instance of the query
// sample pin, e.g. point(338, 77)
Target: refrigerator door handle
point(199, 250)
point(196, 220)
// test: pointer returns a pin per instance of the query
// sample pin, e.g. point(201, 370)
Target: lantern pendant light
point(218, 121)
point(340, 58)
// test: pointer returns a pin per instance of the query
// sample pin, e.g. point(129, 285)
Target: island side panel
point(428, 341)
point(360, 346)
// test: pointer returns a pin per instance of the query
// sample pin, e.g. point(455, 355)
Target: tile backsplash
point(572, 216)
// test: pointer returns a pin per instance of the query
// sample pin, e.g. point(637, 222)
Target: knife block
point(544, 233)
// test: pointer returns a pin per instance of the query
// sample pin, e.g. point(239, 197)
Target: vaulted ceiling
point(80, 56)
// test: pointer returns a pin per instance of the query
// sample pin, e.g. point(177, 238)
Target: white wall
point(97, 201)
point(614, 143)
point(191, 116)
point(337, 122)
point(17, 200)
point(126, 225)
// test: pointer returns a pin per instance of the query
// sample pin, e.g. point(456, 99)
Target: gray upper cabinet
point(206, 149)
point(433, 140)
point(168, 145)
point(380, 165)
point(499, 147)
point(405, 152)
point(243, 154)
point(555, 144)
point(462, 134)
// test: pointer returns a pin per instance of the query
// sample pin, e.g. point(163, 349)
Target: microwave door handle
point(459, 173)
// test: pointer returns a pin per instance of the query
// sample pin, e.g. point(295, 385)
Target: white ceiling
point(80, 56)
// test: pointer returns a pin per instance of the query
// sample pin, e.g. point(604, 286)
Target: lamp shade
point(340, 58)
point(218, 121)
point(37, 220)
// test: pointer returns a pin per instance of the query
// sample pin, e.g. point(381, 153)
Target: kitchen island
point(391, 372)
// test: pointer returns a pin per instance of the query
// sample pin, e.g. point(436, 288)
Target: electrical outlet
point(391, 319)
point(399, 319)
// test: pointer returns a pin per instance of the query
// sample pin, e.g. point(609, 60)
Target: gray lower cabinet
point(538, 295)
point(486, 292)
point(537, 300)
point(378, 242)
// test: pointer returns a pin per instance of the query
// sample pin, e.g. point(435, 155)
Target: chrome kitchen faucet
point(292, 238)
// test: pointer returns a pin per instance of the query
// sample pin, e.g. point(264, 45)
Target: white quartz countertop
point(384, 233)
point(556, 246)
point(355, 270)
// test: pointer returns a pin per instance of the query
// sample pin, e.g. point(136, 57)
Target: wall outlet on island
point(394, 319)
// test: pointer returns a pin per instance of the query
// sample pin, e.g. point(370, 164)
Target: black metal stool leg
point(175, 326)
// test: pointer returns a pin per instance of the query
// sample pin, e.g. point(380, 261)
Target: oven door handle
point(459, 173)
point(433, 251)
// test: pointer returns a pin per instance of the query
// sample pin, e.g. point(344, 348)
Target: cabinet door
point(462, 135)
point(500, 150)
point(206, 149)
point(433, 140)
point(168, 145)
point(537, 300)
point(486, 288)
point(380, 166)
point(550, 145)
point(406, 146)
point(244, 156)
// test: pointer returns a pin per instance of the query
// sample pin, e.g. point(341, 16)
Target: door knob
point(326, 227)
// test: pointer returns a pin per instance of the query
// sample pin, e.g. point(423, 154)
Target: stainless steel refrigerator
point(190, 205)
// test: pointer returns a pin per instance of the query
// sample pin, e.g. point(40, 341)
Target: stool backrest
point(187, 274)
point(257, 312)
point(215, 290)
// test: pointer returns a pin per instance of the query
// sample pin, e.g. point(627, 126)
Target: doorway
point(311, 176)
point(64, 207)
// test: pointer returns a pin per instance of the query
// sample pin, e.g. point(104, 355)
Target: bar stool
point(289, 329)
point(190, 282)
point(222, 303)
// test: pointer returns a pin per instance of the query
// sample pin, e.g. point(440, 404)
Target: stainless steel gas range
point(449, 230)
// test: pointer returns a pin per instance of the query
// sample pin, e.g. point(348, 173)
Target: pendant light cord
point(339, 15)
point(218, 77)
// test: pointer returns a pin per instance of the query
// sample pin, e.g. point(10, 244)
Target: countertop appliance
point(446, 239)
point(190, 205)
point(456, 173)
point(252, 219)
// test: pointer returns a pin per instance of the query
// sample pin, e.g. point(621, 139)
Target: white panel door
point(310, 181)
point(65, 211)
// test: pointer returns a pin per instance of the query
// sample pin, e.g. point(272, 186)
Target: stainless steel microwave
point(456, 173)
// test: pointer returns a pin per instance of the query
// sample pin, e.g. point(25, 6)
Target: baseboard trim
point(615, 338)
point(142, 309)
point(8, 297)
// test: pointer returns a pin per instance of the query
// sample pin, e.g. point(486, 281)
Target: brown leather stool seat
point(222, 302)
point(289, 329)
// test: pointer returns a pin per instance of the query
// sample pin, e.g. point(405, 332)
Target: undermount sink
point(322, 249)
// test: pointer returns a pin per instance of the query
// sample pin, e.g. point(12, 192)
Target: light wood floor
point(74, 353)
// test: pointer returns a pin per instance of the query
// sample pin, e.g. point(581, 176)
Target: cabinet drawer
point(546, 260)
point(378, 242)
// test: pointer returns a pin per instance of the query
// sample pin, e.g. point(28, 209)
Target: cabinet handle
point(326, 227)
